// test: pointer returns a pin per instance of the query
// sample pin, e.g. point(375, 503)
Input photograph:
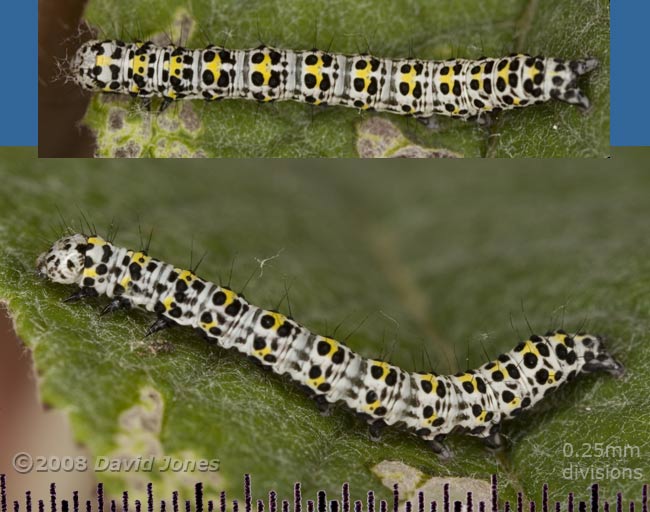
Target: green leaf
point(387, 28)
point(427, 269)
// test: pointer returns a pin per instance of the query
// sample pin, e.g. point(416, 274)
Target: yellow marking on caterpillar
point(503, 73)
point(138, 256)
point(264, 68)
point(317, 381)
point(430, 420)
point(103, 60)
point(125, 281)
point(533, 71)
point(264, 351)
point(447, 78)
point(134, 87)
point(432, 379)
point(371, 407)
point(364, 74)
point(384, 365)
point(551, 377)
point(185, 275)
point(168, 302)
point(278, 319)
point(175, 66)
point(334, 346)
point(561, 338)
point(96, 240)
point(210, 325)
point(530, 347)
point(498, 368)
point(142, 63)
point(90, 272)
point(214, 66)
point(479, 77)
point(230, 296)
point(468, 377)
point(316, 70)
point(481, 417)
point(409, 78)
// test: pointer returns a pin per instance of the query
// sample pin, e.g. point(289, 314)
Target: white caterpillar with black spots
point(430, 405)
point(459, 87)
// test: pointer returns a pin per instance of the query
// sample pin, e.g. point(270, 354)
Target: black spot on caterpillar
point(430, 405)
point(421, 88)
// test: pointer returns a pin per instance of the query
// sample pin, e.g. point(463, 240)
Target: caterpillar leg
point(164, 105)
point(146, 104)
point(565, 80)
point(439, 448)
point(115, 305)
point(494, 441)
point(82, 293)
point(161, 323)
point(324, 407)
point(485, 119)
point(375, 429)
point(430, 122)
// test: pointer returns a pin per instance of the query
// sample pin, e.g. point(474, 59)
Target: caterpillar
point(430, 405)
point(459, 88)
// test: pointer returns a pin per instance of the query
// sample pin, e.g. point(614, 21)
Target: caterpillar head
point(92, 65)
point(64, 261)
point(592, 351)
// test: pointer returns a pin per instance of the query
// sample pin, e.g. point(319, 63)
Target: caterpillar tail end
point(605, 363)
point(598, 358)
point(569, 91)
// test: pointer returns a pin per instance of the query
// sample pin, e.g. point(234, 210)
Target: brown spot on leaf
point(116, 119)
point(189, 117)
point(411, 481)
point(380, 138)
point(130, 150)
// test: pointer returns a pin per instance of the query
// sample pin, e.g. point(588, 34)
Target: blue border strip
point(19, 88)
point(630, 73)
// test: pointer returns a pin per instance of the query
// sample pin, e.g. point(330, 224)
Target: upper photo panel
point(292, 78)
